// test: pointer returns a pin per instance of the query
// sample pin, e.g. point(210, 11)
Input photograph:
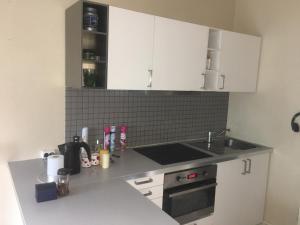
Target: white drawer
point(158, 202)
point(153, 192)
point(146, 182)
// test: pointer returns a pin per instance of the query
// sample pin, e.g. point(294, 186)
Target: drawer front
point(146, 182)
point(158, 202)
point(153, 192)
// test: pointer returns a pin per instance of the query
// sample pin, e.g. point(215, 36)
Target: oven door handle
point(193, 190)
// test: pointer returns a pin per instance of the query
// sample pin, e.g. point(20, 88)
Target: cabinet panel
point(254, 192)
point(130, 49)
point(158, 202)
point(240, 197)
point(179, 55)
point(146, 182)
point(228, 192)
point(153, 192)
point(239, 62)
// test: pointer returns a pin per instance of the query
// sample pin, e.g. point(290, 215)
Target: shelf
point(94, 32)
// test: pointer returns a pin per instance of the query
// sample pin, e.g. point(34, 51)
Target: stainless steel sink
point(224, 146)
point(237, 144)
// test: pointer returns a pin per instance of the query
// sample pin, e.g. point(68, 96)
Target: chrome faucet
point(215, 134)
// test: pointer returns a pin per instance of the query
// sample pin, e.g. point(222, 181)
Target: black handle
point(87, 149)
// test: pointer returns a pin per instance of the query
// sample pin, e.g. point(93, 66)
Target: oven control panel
point(190, 176)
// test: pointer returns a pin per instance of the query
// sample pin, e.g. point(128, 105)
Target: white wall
point(265, 117)
point(32, 73)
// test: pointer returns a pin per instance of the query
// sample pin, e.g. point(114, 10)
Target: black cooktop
point(171, 153)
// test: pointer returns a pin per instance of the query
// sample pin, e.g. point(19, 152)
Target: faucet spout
point(212, 135)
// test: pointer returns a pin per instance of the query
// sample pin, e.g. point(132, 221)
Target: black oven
point(190, 194)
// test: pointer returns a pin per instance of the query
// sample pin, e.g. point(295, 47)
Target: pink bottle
point(106, 138)
point(123, 141)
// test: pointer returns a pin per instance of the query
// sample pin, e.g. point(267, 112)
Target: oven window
point(188, 199)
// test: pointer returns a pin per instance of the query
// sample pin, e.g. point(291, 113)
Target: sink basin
point(227, 146)
point(237, 144)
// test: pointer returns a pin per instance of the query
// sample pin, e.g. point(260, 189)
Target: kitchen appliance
point(71, 152)
point(190, 194)
point(171, 153)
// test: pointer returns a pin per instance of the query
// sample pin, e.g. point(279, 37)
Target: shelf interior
point(102, 13)
point(94, 68)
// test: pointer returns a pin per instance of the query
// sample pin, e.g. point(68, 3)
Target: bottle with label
point(105, 159)
point(112, 138)
point(123, 141)
point(106, 138)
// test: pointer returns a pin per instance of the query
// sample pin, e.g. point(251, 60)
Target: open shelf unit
point(86, 45)
point(213, 58)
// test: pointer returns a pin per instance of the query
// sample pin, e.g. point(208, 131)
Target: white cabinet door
point(130, 49)
point(179, 55)
point(254, 191)
point(240, 196)
point(239, 62)
point(228, 192)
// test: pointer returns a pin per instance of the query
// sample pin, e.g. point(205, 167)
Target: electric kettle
point(71, 152)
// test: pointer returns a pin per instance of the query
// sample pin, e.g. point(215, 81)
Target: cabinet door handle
point(150, 78)
point(250, 166)
point(204, 78)
point(143, 182)
point(223, 81)
point(245, 167)
point(149, 193)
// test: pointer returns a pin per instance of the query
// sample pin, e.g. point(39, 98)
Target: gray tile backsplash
point(152, 117)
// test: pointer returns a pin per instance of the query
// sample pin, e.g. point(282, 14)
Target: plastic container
point(103, 151)
point(112, 144)
point(106, 138)
point(105, 160)
point(123, 141)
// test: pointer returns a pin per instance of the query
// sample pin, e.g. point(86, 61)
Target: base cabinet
point(240, 194)
point(151, 187)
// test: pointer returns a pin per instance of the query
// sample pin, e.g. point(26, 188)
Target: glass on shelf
point(89, 77)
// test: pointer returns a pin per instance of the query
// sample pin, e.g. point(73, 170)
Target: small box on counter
point(45, 192)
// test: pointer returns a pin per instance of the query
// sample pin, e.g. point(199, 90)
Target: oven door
point(190, 202)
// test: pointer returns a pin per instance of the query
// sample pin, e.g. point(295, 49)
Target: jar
point(105, 160)
point(63, 180)
point(90, 19)
point(101, 152)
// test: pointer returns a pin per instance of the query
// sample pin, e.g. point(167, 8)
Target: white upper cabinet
point(179, 59)
point(130, 49)
point(239, 60)
point(147, 52)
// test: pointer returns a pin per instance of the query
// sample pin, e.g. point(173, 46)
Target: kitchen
point(36, 125)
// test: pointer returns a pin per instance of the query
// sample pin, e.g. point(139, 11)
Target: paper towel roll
point(54, 163)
